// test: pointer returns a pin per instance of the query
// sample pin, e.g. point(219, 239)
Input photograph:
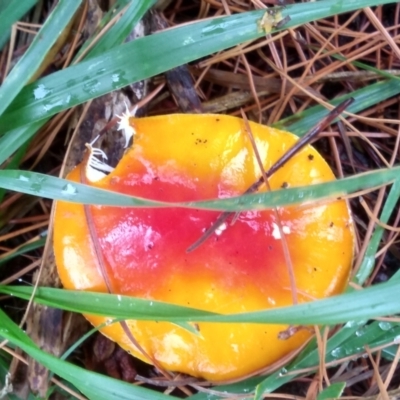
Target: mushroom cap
point(242, 268)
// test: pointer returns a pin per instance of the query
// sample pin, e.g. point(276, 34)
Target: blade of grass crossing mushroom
point(305, 140)
point(285, 247)
point(102, 266)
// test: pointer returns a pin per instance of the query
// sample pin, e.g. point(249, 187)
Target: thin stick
point(306, 139)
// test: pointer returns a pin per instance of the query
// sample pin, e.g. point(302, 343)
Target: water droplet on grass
point(352, 324)
point(23, 178)
point(360, 332)
point(339, 352)
point(384, 325)
point(69, 190)
point(40, 92)
point(283, 372)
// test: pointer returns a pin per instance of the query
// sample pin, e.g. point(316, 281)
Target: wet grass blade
point(23, 249)
point(60, 189)
point(375, 301)
point(116, 306)
point(36, 52)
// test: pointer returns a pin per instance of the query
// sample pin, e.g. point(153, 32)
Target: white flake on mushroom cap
point(124, 126)
point(276, 234)
point(221, 228)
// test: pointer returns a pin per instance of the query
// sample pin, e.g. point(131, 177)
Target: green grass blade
point(331, 311)
point(375, 334)
point(103, 304)
point(24, 249)
point(61, 189)
point(36, 53)
point(140, 59)
point(14, 139)
point(375, 301)
point(10, 12)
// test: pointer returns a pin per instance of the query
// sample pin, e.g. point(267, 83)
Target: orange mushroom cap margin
point(239, 269)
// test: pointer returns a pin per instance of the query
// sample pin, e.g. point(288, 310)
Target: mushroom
point(241, 268)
